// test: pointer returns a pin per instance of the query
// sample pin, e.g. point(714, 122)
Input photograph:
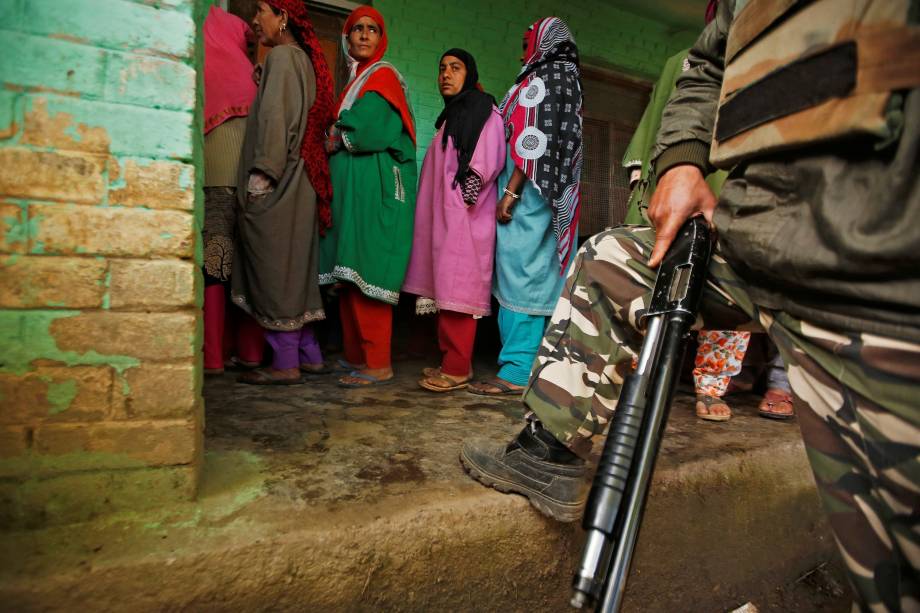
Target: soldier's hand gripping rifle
point(614, 509)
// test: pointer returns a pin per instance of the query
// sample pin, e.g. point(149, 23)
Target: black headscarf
point(465, 114)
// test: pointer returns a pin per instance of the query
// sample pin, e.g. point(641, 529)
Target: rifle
point(613, 513)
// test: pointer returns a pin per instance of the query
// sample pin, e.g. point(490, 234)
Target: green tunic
point(638, 153)
point(373, 201)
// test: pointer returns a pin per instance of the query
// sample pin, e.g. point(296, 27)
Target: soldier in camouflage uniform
point(820, 248)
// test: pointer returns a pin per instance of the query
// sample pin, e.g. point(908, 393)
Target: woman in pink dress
point(453, 246)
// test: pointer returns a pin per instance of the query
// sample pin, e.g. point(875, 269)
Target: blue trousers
point(521, 336)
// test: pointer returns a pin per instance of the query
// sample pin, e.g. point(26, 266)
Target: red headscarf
point(228, 86)
point(311, 150)
point(384, 81)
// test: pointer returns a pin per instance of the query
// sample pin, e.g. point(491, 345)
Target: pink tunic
point(453, 247)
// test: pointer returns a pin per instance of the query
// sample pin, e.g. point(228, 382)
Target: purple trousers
point(294, 348)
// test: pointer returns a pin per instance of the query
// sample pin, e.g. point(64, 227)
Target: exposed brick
point(14, 441)
point(58, 393)
point(155, 184)
point(117, 231)
point(70, 498)
point(147, 336)
point(41, 282)
point(151, 283)
point(60, 130)
point(128, 129)
point(59, 176)
point(114, 445)
point(162, 390)
point(14, 228)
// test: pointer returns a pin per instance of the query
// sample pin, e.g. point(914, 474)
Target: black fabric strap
point(795, 87)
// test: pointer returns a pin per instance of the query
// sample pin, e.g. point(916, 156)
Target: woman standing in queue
point(372, 159)
point(284, 193)
point(453, 248)
point(228, 94)
point(538, 206)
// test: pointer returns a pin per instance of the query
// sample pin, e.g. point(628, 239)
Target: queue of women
point(303, 190)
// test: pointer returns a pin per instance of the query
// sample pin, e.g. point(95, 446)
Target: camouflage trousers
point(857, 398)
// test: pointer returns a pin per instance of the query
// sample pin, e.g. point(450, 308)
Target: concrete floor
point(316, 498)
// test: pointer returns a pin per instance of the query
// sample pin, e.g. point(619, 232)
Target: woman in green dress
point(372, 161)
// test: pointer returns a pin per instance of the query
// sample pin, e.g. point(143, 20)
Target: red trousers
point(367, 328)
point(456, 336)
point(221, 338)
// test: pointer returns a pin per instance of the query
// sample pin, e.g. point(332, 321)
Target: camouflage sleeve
point(688, 118)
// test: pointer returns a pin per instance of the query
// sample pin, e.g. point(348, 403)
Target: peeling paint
point(61, 395)
point(26, 337)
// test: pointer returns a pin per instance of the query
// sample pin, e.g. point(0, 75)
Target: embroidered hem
point(477, 312)
point(221, 116)
point(348, 145)
point(425, 306)
point(519, 309)
point(344, 273)
point(283, 325)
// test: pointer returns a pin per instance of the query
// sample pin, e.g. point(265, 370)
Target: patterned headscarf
point(373, 74)
point(542, 113)
point(312, 150)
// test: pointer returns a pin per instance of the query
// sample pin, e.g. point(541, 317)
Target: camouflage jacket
point(829, 233)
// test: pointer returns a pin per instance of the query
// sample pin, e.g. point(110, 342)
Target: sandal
point(237, 364)
point(503, 386)
point(449, 384)
point(371, 380)
point(432, 371)
point(776, 404)
point(345, 367)
point(309, 369)
point(704, 406)
point(262, 376)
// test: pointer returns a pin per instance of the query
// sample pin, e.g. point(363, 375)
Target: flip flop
point(262, 377)
point(373, 381)
point(776, 399)
point(703, 404)
point(506, 390)
point(451, 384)
point(346, 367)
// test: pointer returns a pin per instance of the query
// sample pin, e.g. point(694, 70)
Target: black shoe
point(534, 464)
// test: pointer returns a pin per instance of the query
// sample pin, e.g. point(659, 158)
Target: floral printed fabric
point(718, 359)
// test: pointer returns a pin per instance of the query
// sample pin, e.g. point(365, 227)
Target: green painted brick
point(10, 11)
point(35, 61)
point(143, 80)
point(114, 24)
point(133, 130)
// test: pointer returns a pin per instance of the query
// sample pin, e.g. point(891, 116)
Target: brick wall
point(99, 287)
point(607, 37)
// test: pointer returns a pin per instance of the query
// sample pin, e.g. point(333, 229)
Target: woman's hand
point(260, 184)
point(505, 207)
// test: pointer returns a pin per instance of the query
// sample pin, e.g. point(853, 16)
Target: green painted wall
point(607, 37)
